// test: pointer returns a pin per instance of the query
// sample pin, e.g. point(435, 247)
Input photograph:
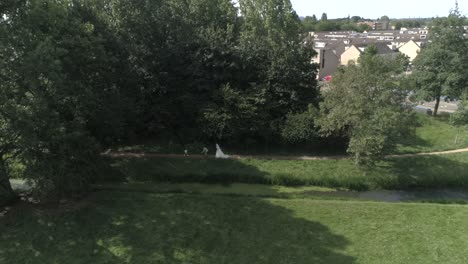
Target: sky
point(373, 9)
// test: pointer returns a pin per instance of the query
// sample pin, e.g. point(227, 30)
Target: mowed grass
point(243, 189)
point(433, 134)
point(126, 227)
point(446, 171)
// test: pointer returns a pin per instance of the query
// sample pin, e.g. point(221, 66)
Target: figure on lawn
point(220, 154)
point(205, 151)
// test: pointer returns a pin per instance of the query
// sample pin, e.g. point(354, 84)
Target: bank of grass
point(236, 189)
point(445, 171)
point(433, 134)
point(127, 227)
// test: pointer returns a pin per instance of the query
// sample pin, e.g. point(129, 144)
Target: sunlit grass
point(434, 134)
point(126, 227)
point(447, 171)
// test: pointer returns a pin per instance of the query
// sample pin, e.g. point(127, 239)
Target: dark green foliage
point(364, 103)
point(218, 76)
point(356, 19)
point(7, 194)
point(385, 18)
point(301, 127)
point(409, 23)
point(59, 94)
point(440, 68)
point(310, 25)
point(79, 76)
point(460, 118)
point(417, 172)
point(324, 17)
point(131, 227)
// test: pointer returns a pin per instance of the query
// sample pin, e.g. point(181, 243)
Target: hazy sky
point(374, 9)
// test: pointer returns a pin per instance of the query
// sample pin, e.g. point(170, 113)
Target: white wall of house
point(410, 49)
point(351, 54)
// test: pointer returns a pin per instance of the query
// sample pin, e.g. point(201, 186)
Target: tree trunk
point(456, 137)
point(436, 107)
point(7, 195)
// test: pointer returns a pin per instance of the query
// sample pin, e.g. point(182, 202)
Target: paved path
point(431, 153)
point(443, 107)
point(151, 155)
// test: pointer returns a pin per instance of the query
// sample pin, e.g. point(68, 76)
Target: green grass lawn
point(447, 171)
point(433, 134)
point(127, 227)
point(269, 213)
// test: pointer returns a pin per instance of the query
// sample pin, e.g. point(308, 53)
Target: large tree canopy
point(365, 103)
point(77, 76)
point(440, 68)
point(59, 88)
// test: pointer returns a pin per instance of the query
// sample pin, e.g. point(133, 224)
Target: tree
point(460, 117)
point(78, 76)
point(440, 68)
point(280, 78)
point(398, 25)
point(301, 127)
point(355, 19)
point(178, 77)
point(314, 19)
point(327, 26)
point(324, 17)
point(384, 18)
point(365, 104)
point(57, 77)
point(309, 23)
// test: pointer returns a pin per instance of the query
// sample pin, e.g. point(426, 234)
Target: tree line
point(78, 76)
point(312, 24)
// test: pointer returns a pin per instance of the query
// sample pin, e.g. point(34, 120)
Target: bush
point(301, 127)
point(65, 170)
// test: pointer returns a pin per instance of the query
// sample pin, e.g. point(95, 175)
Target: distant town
point(338, 47)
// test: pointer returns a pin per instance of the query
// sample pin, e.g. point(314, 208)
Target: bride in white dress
point(220, 154)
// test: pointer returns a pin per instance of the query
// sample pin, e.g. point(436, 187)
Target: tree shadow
point(413, 142)
point(134, 227)
point(433, 172)
point(141, 228)
point(183, 170)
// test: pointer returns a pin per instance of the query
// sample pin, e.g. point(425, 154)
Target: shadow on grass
point(433, 172)
point(182, 170)
point(121, 227)
point(413, 142)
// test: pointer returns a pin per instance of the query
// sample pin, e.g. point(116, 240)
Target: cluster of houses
point(337, 49)
point(376, 25)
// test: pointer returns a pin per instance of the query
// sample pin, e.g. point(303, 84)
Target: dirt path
point(431, 153)
point(151, 155)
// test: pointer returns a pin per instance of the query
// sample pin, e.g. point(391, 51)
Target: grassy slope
point(257, 190)
point(448, 171)
point(121, 227)
point(433, 134)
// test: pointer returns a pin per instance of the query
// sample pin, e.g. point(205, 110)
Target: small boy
point(205, 151)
